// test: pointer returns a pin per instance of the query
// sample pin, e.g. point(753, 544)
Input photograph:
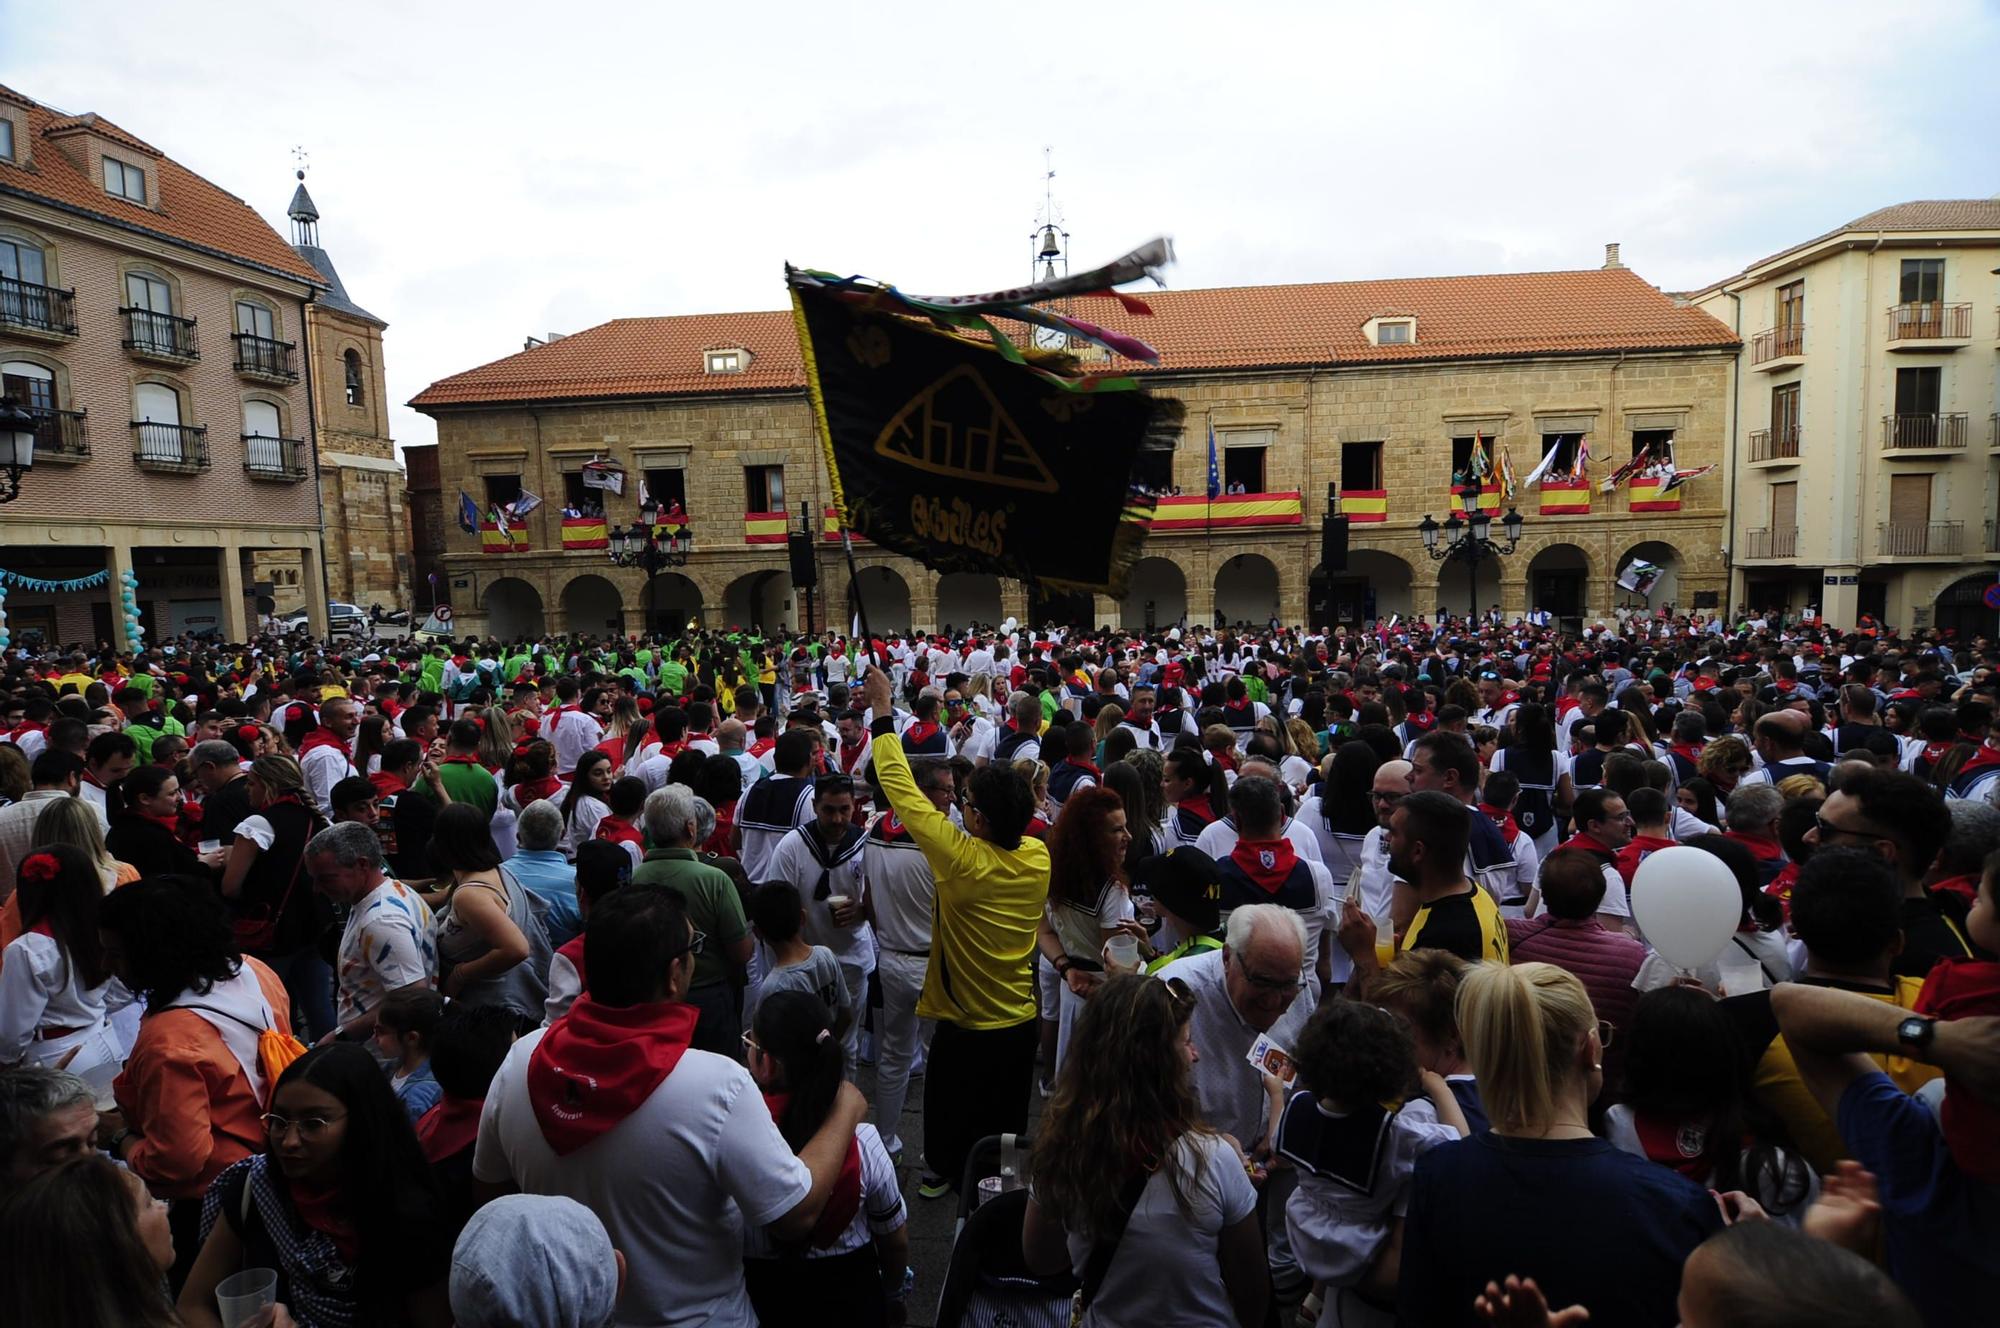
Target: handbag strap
point(1106, 1245)
point(1769, 976)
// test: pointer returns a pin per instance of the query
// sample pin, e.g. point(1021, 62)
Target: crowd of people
point(532, 982)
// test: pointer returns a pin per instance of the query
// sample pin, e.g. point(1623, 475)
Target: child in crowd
point(777, 916)
point(857, 1257)
point(1959, 989)
point(621, 827)
point(467, 1047)
point(1354, 1131)
point(601, 867)
point(404, 1027)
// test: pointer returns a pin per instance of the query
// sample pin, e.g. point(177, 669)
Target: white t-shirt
point(675, 1183)
point(1165, 1273)
point(385, 945)
point(881, 1212)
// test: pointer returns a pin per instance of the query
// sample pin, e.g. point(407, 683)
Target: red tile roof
point(1458, 318)
point(1931, 214)
point(191, 210)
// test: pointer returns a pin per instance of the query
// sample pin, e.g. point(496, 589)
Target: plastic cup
point(838, 902)
point(1385, 939)
point(209, 845)
point(1122, 952)
point(241, 1297)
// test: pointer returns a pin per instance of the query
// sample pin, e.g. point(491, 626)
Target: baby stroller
point(987, 1284)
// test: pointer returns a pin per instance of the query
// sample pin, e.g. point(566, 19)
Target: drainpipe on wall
point(1735, 465)
point(319, 491)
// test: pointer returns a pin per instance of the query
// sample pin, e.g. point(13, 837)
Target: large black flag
point(943, 448)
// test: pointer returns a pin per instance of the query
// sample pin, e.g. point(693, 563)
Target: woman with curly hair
point(1723, 762)
point(1089, 899)
point(1128, 1188)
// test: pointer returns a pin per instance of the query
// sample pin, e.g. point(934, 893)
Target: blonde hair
point(278, 774)
point(74, 821)
point(1302, 740)
point(1036, 773)
point(496, 738)
point(1522, 1027)
point(1108, 718)
point(1801, 786)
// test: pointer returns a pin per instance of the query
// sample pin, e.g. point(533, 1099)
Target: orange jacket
point(188, 1101)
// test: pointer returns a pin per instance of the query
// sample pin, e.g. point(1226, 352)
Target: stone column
point(314, 588)
point(1014, 600)
point(235, 625)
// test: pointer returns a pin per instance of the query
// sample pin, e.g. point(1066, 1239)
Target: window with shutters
point(1361, 466)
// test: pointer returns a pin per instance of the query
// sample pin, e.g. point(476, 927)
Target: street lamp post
point(1468, 541)
point(17, 446)
point(638, 545)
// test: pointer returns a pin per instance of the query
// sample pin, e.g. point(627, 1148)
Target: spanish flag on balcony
point(1489, 501)
point(1565, 497)
point(1360, 505)
point(1228, 511)
point(829, 528)
point(764, 527)
point(585, 532)
point(1647, 496)
point(493, 538)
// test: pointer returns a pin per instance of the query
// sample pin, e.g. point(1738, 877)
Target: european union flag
point(468, 514)
point(1214, 471)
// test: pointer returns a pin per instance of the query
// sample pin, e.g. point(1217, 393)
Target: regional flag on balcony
point(765, 527)
point(493, 538)
point(829, 527)
point(1489, 501)
point(585, 532)
point(1365, 504)
point(1565, 497)
point(1647, 495)
point(962, 450)
point(1228, 511)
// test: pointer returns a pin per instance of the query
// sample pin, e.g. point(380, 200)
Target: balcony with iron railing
point(1925, 433)
point(268, 458)
point(1929, 325)
point(154, 336)
point(1993, 536)
point(1779, 446)
point(29, 310)
point(1773, 542)
point(173, 449)
point(1920, 539)
point(1778, 348)
point(265, 360)
point(60, 435)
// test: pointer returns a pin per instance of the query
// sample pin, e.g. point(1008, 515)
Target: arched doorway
point(964, 598)
point(1961, 608)
point(887, 597)
point(1246, 591)
point(1067, 609)
point(592, 606)
point(759, 601)
point(1374, 585)
point(513, 608)
point(672, 604)
point(1558, 581)
point(1156, 597)
point(1666, 587)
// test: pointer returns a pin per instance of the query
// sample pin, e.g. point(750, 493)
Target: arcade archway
point(886, 596)
point(1156, 597)
point(592, 606)
point(1666, 586)
point(964, 598)
point(672, 603)
point(1246, 591)
point(513, 608)
point(1559, 583)
point(759, 601)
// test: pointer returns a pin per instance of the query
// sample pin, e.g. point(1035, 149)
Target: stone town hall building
point(1379, 389)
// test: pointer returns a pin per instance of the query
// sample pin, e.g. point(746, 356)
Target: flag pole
point(854, 595)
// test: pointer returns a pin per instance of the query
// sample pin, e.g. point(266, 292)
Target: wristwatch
point(1062, 965)
point(1915, 1034)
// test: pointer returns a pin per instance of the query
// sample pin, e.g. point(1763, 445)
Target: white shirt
point(675, 1183)
point(324, 767)
point(792, 861)
point(573, 733)
point(1218, 839)
point(385, 945)
point(881, 1210)
point(1231, 1090)
point(40, 988)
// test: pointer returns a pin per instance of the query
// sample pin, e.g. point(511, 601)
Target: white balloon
point(1687, 905)
point(1007, 627)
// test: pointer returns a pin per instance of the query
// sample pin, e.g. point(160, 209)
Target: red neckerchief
point(1197, 805)
point(1781, 885)
point(845, 1200)
point(1762, 847)
point(1243, 706)
point(892, 828)
point(762, 745)
point(1963, 888)
point(534, 790)
point(725, 824)
point(850, 755)
point(1934, 752)
point(921, 732)
point(459, 760)
point(619, 831)
point(1686, 1147)
point(672, 749)
point(26, 726)
point(1509, 828)
point(1508, 698)
point(323, 737)
point(1267, 862)
point(1704, 683)
point(572, 950)
point(1420, 721)
point(90, 778)
point(1565, 705)
point(694, 738)
point(598, 1064)
point(1690, 750)
point(449, 1128)
point(1037, 827)
point(319, 1209)
point(1589, 844)
point(1982, 757)
point(170, 824)
point(387, 785)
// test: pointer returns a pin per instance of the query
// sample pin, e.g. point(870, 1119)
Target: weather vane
point(301, 157)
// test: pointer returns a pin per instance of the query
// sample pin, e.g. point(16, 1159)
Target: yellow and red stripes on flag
point(493, 540)
point(829, 527)
point(1565, 497)
point(1646, 496)
point(1365, 505)
point(765, 527)
point(1227, 511)
point(1489, 501)
point(585, 532)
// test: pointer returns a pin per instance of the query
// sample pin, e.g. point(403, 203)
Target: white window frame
point(1395, 332)
point(723, 361)
point(126, 173)
point(7, 139)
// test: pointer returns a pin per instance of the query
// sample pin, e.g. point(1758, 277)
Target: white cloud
point(493, 170)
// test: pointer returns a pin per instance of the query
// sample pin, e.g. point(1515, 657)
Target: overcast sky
point(494, 170)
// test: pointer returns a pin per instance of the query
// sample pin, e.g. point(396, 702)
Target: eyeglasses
point(1605, 1028)
point(1390, 799)
point(1276, 986)
point(750, 1042)
point(309, 1127)
point(1826, 828)
point(694, 945)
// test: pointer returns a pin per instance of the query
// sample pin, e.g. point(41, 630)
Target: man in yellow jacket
point(992, 885)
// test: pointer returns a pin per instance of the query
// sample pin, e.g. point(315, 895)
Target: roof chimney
point(1611, 255)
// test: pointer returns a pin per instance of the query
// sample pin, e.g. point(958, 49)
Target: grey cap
point(534, 1261)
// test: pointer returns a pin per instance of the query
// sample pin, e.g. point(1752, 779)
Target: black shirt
point(223, 810)
point(1927, 938)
